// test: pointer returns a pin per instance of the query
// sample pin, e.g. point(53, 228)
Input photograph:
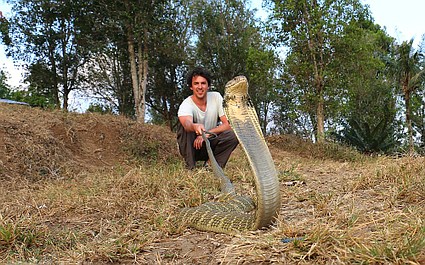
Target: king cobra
point(232, 212)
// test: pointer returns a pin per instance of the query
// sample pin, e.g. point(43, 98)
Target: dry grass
point(101, 189)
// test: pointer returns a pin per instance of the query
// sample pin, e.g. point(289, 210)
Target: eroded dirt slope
point(37, 144)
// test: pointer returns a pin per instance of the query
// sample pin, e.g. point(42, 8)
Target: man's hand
point(198, 128)
point(198, 142)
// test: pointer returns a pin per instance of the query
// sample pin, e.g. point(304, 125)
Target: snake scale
point(232, 212)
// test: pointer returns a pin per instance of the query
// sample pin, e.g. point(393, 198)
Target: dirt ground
point(328, 201)
point(34, 140)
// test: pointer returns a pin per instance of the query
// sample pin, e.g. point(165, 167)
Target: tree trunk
point(320, 111)
point(65, 101)
point(315, 46)
point(422, 126)
point(265, 111)
point(55, 87)
point(320, 119)
point(134, 76)
point(409, 123)
point(139, 73)
point(143, 77)
point(56, 93)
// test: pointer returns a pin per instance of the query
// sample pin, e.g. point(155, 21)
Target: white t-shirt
point(210, 116)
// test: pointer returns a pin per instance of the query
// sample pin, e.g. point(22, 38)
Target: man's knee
point(230, 137)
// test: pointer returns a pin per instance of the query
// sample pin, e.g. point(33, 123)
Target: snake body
point(233, 212)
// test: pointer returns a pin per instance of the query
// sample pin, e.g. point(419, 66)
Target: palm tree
point(410, 74)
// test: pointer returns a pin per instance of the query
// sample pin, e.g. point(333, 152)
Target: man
point(201, 112)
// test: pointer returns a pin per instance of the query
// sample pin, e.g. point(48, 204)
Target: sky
point(403, 20)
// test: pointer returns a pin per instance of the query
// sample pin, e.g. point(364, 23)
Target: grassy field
point(101, 189)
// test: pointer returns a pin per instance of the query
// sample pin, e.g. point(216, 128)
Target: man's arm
point(190, 126)
point(224, 126)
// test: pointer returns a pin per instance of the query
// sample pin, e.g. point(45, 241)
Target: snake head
point(238, 86)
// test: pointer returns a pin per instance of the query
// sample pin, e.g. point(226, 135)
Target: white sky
point(403, 20)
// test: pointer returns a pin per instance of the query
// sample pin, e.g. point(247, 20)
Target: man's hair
point(198, 71)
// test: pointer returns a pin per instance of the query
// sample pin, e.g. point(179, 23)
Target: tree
point(368, 112)
point(4, 29)
point(263, 82)
point(51, 33)
point(172, 54)
point(41, 83)
point(30, 95)
point(107, 78)
point(4, 87)
point(138, 52)
point(141, 24)
point(410, 75)
point(418, 114)
point(311, 28)
point(418, 103)
point(137, 22)
point(224, 32)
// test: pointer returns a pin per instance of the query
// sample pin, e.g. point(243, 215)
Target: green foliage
point(15, 237)
point(4, 87)
point(166, 82)
point(334, 54)
point(107, 73)
point(368, 137)
point(408, 69)
point(52, 34)
point(418, 115)
point(334, 49)
point(225, 32)
point(263, 82)
point(4, 30)
point(41, 89)
point(108, 77)
point(30, 95)
point(99, 108)
point(366, 97)
point(33, 98)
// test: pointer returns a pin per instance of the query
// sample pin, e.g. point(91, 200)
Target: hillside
point(42, 144)
point(90, 188)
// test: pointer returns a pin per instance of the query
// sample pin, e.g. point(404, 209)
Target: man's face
point(199, 86)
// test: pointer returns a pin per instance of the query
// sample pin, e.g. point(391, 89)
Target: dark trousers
point(222, 146)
